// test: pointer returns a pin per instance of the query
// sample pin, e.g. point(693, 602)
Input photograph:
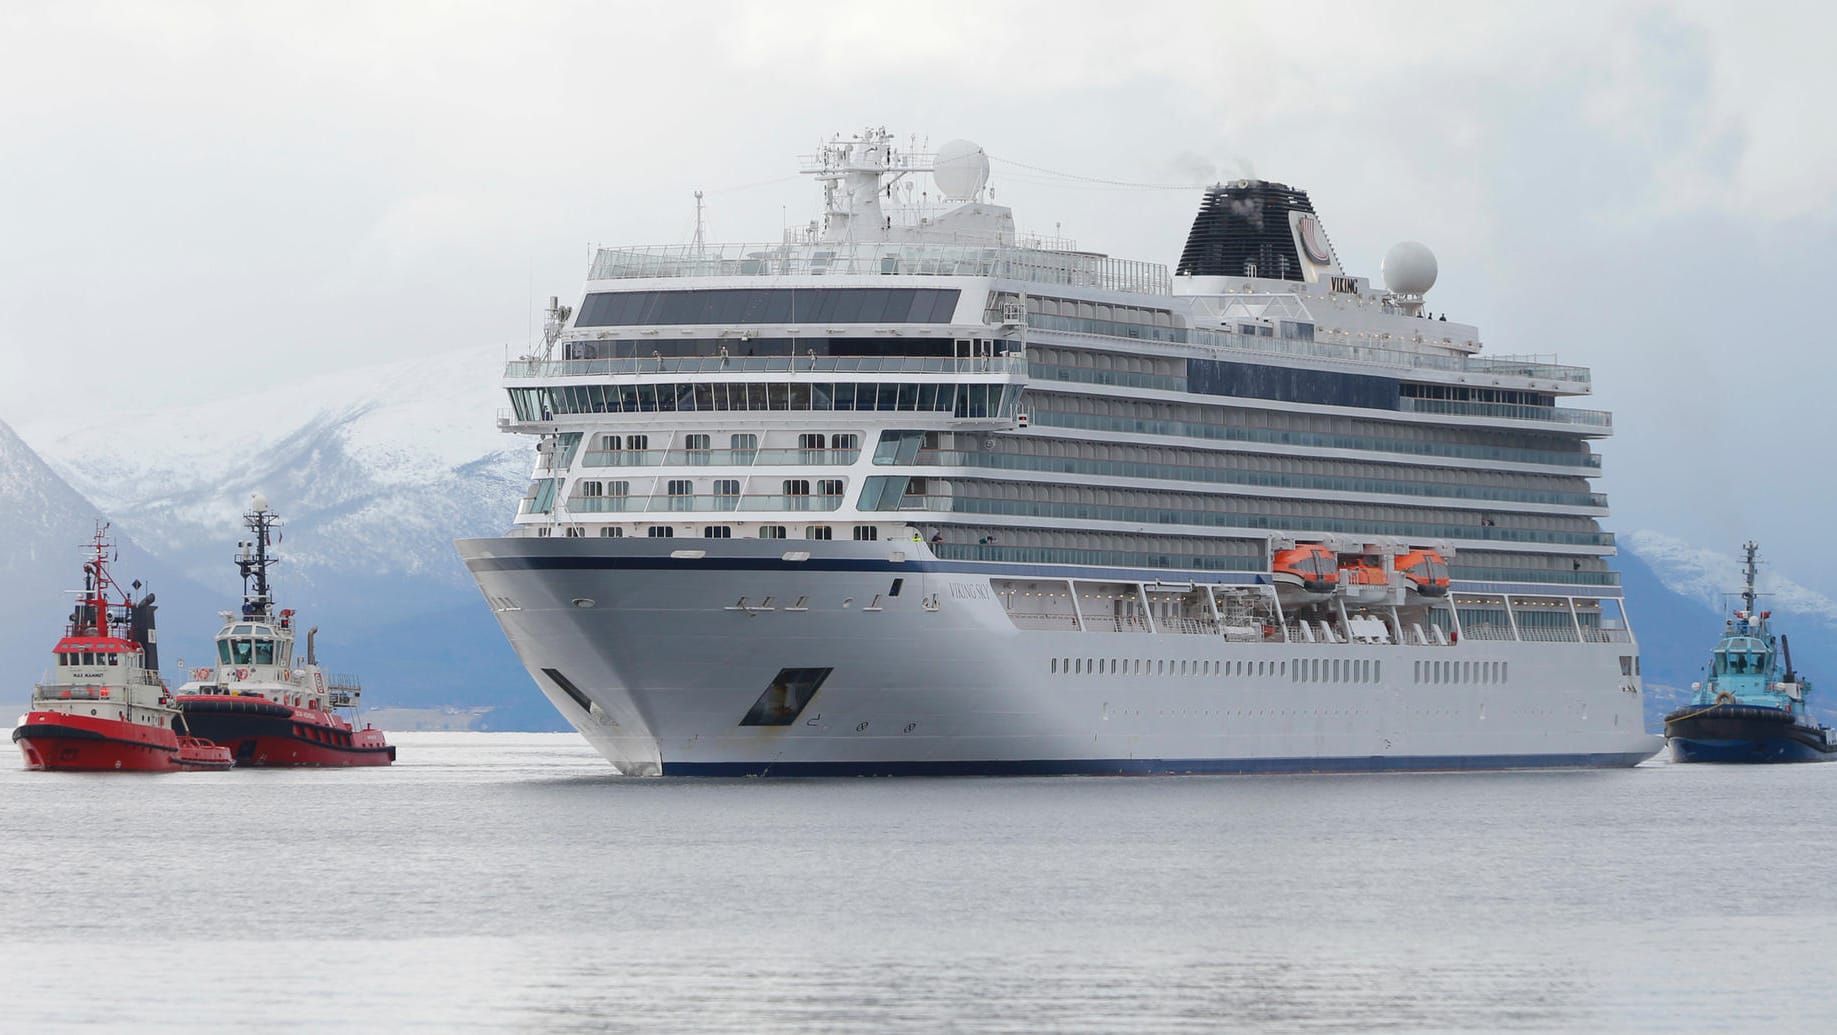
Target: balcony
point(1600, 420)
point(702, 504)
point(720, 457)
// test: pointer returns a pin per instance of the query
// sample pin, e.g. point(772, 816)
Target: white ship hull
point(657, 650)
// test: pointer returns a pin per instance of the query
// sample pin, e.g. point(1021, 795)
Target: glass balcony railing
point(702, 504)
point(1005, 365)
point(720, 457)
point(1228, 433)
point(1076, 269)
point(1510, 411)
point(1218, 518)
point(1105, 469)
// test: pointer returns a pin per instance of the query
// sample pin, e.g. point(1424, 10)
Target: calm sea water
point(509, 882)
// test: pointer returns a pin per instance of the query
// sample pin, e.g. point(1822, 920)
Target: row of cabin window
point(963, 400)
point(767, 305)
point(86, 658)
point(722, 487)
point(1249, 424)
point(809, 440)
point(862, 533)
point(1163, 667)
point(1481, 672)
point(1337, 670)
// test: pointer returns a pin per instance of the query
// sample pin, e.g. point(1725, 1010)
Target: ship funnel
point(141, 630)
point(1255, 228)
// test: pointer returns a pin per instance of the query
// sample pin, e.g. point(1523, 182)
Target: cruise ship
point(908, 492)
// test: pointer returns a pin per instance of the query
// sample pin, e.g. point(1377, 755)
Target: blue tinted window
point(767, 305)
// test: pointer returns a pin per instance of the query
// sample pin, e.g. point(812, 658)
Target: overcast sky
point(199, 193)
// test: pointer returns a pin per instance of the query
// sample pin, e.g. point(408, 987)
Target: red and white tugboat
point(105, 707)
point(267, 706)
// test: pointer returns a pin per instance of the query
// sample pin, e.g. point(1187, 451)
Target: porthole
point(583, 602)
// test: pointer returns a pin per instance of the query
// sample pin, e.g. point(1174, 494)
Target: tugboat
point(1752, 709)
point(268, 706)
point(105, 708)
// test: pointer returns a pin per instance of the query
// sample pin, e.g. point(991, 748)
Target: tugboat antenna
point(261, 521)
point(1747, 593)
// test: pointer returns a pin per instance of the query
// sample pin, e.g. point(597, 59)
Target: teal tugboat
point(1752, 709)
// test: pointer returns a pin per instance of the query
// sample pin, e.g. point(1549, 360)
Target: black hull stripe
point(1160, 766)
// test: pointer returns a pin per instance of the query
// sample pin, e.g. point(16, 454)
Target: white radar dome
point(1409, 268)
point(960, 169)
point(258, 503)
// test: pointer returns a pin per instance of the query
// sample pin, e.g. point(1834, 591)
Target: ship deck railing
point(696, 504)
point(1213, 515)
point(720, 457)
point(72, 693)
point(881, 258)
point(1508, 411)
point(1232, 477)
point(1430, 353)
point(1008, 364)
point(1480, 631)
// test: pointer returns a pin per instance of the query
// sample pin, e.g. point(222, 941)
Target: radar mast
point(253, 558)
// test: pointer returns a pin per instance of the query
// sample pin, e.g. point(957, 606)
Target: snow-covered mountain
point(44, 527)
point(376, 471)
point(1713, 576)
point(1679, 596)
point(43, 519)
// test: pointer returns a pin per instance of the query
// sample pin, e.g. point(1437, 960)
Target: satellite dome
point(258, 503)
point(960, 169)
point(1409, 268)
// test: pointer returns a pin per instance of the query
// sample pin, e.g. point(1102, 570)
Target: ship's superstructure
point(908, 492)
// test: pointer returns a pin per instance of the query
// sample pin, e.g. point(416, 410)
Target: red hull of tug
point(262, 733)
point(62, 742)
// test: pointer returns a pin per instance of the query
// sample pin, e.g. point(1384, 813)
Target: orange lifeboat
point(1426, 571)
point(1309, 572)
point(1364, 581)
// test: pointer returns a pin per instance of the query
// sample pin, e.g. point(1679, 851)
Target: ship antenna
point(259, 520)
point(700, 243)
point(1747, 593)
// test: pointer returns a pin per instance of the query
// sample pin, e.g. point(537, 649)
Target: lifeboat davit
point(1425, 572)
point(1306, 574)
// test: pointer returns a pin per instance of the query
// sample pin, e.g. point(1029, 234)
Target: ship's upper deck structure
point(912, 367)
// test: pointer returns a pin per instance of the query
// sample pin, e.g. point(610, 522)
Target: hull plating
point(73, 743)
point(1745, 735)
point(263, 734)
point(661, 661)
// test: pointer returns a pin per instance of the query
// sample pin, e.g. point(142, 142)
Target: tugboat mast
point(254, 563)
point(1747, 593)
